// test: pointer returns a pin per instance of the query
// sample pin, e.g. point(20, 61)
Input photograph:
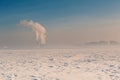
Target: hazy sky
point(66, 21)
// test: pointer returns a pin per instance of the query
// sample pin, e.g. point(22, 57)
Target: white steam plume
point(38, 29)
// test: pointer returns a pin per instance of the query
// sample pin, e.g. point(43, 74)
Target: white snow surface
point(91, 63)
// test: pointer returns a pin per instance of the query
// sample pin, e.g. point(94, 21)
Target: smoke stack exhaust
point(38, 29)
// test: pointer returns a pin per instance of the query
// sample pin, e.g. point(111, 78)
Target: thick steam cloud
point(38, 29)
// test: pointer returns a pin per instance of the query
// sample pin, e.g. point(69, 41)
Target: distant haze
point(67, 22)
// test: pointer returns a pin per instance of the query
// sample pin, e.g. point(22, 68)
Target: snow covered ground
point(89, 63)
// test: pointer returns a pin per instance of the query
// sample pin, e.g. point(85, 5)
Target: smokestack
point(38, 29)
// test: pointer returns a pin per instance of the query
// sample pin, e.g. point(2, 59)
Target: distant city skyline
point(68, 22)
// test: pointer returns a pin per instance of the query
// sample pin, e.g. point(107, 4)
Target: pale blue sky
point(75, 17)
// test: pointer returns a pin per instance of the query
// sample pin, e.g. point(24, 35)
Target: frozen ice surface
point(89, 63)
